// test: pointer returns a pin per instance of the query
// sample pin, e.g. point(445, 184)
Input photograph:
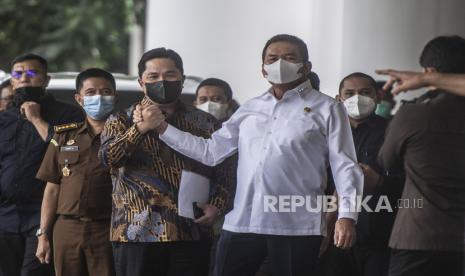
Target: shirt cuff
point(349, 215)
point(348, 209)
point(170, 134)
point(133, 135)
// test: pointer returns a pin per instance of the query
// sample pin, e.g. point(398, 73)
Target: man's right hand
point(148, 117)
point(43, 250)
point(403, 80)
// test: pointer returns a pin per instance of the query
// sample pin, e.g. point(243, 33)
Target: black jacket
point(375, 227)
point(21, 153)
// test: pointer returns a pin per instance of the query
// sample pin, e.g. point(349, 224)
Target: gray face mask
point(282, 71)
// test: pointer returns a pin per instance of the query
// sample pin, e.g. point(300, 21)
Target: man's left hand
point(211, 213)
point(344, 233)
point(372, 179)
point(31, 110)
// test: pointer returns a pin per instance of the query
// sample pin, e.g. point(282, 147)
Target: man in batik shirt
point(148, 235)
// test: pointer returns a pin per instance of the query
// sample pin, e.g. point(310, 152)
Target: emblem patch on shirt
point(70, 142)
point(65, 127)
point(54, 142)
point(307, 109)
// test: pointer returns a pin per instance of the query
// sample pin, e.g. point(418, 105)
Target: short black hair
point(314, 80)
point(358, 75)
point(287, 38)
point(218, 83)
point(29, 56)
point(444, 53)
point(160, 53)
point(94, 73)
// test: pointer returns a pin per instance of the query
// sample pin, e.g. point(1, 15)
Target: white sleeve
point(222, 144)
point(348, 176)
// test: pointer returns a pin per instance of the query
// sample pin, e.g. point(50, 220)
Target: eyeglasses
point(29, 73)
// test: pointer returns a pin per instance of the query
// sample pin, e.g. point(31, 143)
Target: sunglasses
point(29, 73)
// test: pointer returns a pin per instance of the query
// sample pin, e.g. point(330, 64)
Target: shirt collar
point(302, 89)
point(84, 127)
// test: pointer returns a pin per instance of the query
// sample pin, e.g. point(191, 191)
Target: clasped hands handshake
point(149, 117)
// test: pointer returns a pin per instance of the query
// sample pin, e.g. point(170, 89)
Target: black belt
point(80, 218)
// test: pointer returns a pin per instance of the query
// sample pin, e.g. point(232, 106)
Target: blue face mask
point(98, 107)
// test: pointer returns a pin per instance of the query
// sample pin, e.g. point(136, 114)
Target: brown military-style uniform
point(82, 230)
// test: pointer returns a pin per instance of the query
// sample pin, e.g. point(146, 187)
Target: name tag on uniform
point(69, 148)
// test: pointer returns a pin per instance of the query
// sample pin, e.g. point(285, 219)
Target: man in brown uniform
point(77, 197)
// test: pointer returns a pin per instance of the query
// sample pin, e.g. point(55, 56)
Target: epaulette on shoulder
point(65, 127)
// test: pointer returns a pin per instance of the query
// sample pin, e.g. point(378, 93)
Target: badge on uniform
point(66, 171)
point(307, 109)
point(70, 142)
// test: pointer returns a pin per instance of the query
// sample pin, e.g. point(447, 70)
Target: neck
point(354, 123)
point(95, 126)
point(280, 89)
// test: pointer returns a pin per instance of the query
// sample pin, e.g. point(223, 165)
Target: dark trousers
point(182, 258)
point(371, 260)
point(82, 248)
point(426, 263)
point(337, 262)
point(18, 255)
point(243, 254)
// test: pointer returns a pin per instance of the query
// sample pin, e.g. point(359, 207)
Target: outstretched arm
point(402, 81)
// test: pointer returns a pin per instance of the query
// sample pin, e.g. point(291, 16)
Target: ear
point(338, 98)
point(308, 64)
point(47, 80)
point(78, 98)
point(141, 83)
point(306, 68)
point(194, 103)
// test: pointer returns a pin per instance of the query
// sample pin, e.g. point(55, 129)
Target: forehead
point(282, 48)
point(96, 82)
point(211, 90)
point(159, 65)
point(357, 83)
point(27, 65)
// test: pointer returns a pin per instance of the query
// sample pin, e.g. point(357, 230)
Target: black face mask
point(164, 92)
point(26, 94)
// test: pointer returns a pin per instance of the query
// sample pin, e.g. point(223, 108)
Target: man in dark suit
point(427, 139)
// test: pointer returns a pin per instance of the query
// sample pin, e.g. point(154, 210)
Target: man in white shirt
point(286, 138)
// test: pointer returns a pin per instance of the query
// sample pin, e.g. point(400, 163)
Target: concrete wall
point(224, 38)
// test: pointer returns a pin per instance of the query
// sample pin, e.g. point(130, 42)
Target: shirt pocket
point(69, 160)
point(301, 131)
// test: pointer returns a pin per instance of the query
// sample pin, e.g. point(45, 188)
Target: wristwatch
point(40, 232)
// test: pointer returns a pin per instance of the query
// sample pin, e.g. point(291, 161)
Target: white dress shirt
point(285, 147)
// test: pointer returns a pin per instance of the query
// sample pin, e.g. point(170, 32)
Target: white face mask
point(282, 71)
point(220, 111)
point(359, 107)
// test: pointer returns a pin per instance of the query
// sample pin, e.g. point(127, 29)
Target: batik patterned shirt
point(146, 174)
